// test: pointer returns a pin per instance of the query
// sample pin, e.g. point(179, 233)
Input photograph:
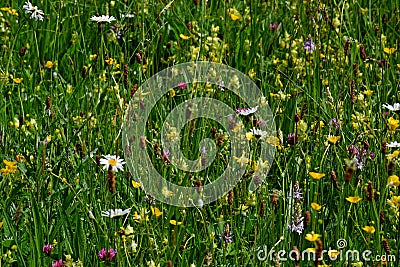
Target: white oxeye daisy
point(115, 213)
point(113, 162)
point(246, 111)
point(259, 133)
point(395, 107)
point(102, 19)
point(35, 12)
point(393, 144)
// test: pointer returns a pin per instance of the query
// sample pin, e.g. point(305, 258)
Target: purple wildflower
point(360, 155)
point(58, 263)
point(309, 45)
point(47, 249)
point(297, 220)
point(106, 255)
point(292, 139)
point(182, 85)
point(261, 123)
point(165, 155)
point(334, 123)
point(274, 26)
point(296, 192)
point(226, 235)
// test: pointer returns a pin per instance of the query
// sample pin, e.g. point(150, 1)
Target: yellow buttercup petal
point(316, 175)
point(184, 37)
point(136, 184)
point(155, 211)
point(354, 200)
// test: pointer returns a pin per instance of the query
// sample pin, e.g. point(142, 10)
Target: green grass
point(57, 183)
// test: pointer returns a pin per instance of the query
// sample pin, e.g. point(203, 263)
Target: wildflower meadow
point(199, 133)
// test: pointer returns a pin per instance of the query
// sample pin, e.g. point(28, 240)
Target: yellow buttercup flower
point(393, 124)
point(369, 229)
point(393, 180)
point(174, 222)
point(18, 80)
point(394, 155)
point(312, 237)
point(354, 199)
point(184, 37)
point(316, 175)
point(316, 206)
point(155, 211)
point(249, 136)
point(110, 61)
point(389, 51)
point(49, 64)
point(333, 139)
point(368, 92)
point(395, 201)
point(235, 15)
point(136, 184)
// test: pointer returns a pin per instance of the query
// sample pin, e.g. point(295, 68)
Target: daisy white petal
point(35, 12)
point(246, 111)
point(113, 162)
point(395, 107)
point(102, 19)
point(115, 213)
point(393, 144)
point(258, 132)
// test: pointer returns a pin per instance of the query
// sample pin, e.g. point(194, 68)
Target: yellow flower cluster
point(11, 167)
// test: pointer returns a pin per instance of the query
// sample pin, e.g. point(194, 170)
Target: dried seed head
point(133, 90)
point(230, 197)
point(382, 217)
point(126, 76)
point(111, 180)
point(297, 118)
point(355, 70)
point(386, 246)
point(189, 25)
point(349, 173)
point(334, 180)
point(347, 47)
point(262, 208)
point(198, 184)
point(362, 52)
point(307, 218)
point(391, 167)
point(318, 253)
point(139, 57)
point(22, 51)
point(84, 71)
point(370, 191)
point(48, 103)
point(384, 147)
point(274, 198)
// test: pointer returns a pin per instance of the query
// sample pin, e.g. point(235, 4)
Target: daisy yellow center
point(112, 162)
